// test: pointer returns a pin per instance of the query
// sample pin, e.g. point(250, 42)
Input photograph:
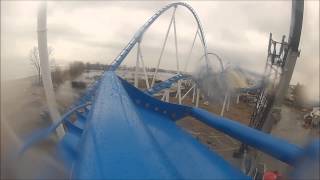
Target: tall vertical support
point(177, 55)
point(163, 47)
point(191, 49)
point(194, 94)
point(198, 97)
point(176, 40)
point(167, 95)
point(136, 72)
point(144, 67)
point(185, 95)
point(290, 61)
point(238, 96)
point(44, 64)
point(228, 102)
point(179, 91)
point(224, 104)
point(163, 96)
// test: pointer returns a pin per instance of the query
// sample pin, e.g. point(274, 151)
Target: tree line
point(58, 74)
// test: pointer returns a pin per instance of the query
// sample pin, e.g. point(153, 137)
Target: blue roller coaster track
point(117, 131)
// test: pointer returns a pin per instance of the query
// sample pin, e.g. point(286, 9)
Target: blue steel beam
point(124, 140)
point(166, 84)
point(133, 135)
point(276, 147)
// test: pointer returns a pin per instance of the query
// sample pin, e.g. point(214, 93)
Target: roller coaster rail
point(116, 130)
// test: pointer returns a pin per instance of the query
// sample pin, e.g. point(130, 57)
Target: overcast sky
point(97, 31)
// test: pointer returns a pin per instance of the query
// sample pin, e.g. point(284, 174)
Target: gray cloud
point(237, 31)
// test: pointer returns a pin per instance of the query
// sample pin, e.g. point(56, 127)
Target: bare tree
point(35, 60)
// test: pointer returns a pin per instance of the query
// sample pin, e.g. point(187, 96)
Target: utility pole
point(290, 61)
point(268, 106)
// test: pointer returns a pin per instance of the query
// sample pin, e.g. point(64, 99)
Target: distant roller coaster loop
point(137, 37)
point(217, 56)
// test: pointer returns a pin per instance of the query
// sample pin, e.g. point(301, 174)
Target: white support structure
point(45, 70)
point(179, 91)
point(167, 95)
point(136, 73)
point(140, 63)
point(163, 96)
point(177, 57)
point(187, 92)
point(228, 102)
point(198, 97)
point(144, 68)
point(176, 42)
point(224, 103)
point(238, 96)
point(191, 49)
point(194, 94)
point(163, 47)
